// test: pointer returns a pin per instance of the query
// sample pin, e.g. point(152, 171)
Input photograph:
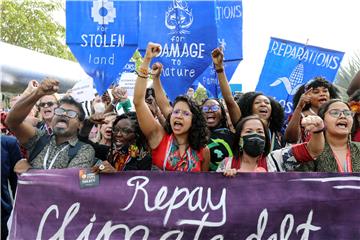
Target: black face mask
point(253, 144)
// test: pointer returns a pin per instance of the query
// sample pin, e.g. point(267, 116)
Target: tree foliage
point(29, 24)
point(200, 95)
point(346, 73)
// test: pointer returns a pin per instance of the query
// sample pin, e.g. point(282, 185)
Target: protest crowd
point(249, 133)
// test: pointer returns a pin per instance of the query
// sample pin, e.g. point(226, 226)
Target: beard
point(61, 132)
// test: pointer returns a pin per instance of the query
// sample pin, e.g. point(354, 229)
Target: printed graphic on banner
point(210, 81)
point(176, 205)
point(229, 20)
point(178, 26)
point(103, 36)
point(288, 65)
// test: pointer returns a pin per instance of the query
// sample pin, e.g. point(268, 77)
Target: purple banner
point(174, 205)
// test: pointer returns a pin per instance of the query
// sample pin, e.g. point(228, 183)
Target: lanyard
point(54, 158)
point(347, 166)
point(168, 150)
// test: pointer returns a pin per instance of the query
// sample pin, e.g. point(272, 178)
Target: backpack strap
point(45, 139)
point(73, 150)
point(39, 146)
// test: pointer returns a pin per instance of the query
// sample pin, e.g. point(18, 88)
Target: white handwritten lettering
point(286, 227)
point(179, 198)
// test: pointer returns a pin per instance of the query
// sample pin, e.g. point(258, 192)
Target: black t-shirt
point(220, 144)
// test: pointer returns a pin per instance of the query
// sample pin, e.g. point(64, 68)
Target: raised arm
point(293, 130)
point(315, 125)
point(233, 107)
point(160, 96)
point(151, 128)
point(15, 119)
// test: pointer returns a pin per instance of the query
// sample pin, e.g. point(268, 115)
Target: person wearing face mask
point(269, 110)
point(252, 148)
point(340, 153)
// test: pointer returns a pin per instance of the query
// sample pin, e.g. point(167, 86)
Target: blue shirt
point(10, 155)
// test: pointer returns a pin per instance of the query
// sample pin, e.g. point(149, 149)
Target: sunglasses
point(212, 108)
point(49, 104)
point(179, 112)
point(336, 113)
point(64, 112)
point(122, 130)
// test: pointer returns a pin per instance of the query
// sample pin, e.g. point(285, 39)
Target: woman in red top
point(181, 144)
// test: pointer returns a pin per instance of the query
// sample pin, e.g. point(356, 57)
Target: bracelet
point(220, 70)
point(144, 71)
point(142, 76)
point(320, 131)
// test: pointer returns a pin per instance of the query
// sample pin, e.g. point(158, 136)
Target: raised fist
point(152, 50)
point(156, 69)
point(217, 57)
point(312, 123)
point(48, 87)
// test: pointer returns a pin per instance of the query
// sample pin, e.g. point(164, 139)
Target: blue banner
point(288, 65)
point(229, 20)
point(103, 36)
point(209, 78)
point(187, 33)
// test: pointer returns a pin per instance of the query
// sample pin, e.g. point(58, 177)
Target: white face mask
point(99, 107)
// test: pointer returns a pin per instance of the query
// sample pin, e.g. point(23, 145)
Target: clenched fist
point(48, 87)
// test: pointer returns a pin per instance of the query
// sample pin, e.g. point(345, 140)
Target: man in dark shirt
point(10, 155)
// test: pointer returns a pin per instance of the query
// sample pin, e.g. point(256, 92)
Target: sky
point(324, 23)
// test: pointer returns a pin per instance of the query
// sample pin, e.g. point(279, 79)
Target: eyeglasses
point(213, 108)
point(49, 104)
point(123, 130)
point(336, 113)
point(179, 112)
point(68, 113)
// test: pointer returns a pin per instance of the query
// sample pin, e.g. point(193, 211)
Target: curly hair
point(315, 83)
point(276, 119)
point(198, 132)
point(223, 121)
point(239, 127)
point(140, 139)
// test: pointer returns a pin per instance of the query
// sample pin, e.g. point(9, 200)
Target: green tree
point(346, 73)
point(29, 24)
point(200, 95)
